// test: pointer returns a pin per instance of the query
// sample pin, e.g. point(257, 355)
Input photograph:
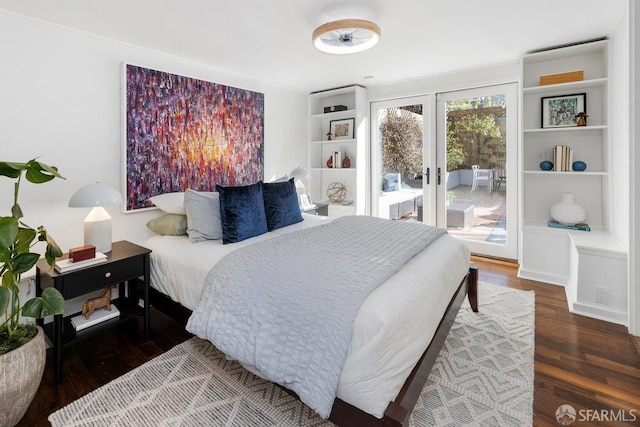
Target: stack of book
point(64, 265)
point(80, 322)
point(562, 158)
point(336, 158)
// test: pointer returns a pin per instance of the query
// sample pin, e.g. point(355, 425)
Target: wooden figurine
point(104, 300)
point(582, 119)
point(329, 136)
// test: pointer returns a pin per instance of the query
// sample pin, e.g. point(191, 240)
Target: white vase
point(566, 211)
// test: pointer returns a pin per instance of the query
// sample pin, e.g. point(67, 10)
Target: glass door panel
point(476, 147)
point(398, 147)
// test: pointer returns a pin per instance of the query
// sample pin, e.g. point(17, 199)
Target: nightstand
point(319, 209)
point(125, 263)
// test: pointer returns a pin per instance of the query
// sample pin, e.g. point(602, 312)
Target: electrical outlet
point(602, 295)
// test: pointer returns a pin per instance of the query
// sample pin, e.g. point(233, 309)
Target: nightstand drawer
point(100, 276)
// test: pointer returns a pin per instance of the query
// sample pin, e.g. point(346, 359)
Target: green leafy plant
point(474, 133)
point(401, 131)
point(16, 258)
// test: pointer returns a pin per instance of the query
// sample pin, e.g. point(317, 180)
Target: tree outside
point(401, 131)
point(475, 133)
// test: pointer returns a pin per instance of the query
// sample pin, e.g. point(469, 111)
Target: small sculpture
point(546, 165)
point(336, 192)
point(329, 136)
point(330, 162)
point(579, 166)
point(346, 162)
point(582, 119)
point(104, 300)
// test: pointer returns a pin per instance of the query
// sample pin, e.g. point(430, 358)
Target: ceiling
point(271, 39)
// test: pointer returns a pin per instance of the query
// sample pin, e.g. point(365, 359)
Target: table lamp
point(300, 175)
point(97, 225)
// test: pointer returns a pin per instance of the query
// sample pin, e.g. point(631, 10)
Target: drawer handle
point(107, 275)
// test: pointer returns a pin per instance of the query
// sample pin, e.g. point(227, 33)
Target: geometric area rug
point(482, 377)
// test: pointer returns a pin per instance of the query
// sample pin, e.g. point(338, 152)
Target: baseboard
point(495, 260)
point(541, 277)
point(598, 313)
point(636, 340)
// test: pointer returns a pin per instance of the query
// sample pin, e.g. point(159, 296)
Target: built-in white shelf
point(566, 173)
point(334, 115)
point(567, 129)
point(582, 261)
point(354, 178)
point(335, 141)
point(572, 86)
point(334, 169)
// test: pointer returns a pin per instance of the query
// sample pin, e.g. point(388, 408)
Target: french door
point(402, 135)
point(476, 161)
point(450, 161)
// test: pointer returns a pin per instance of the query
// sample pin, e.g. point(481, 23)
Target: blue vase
point(579, 166)
point(546, 165)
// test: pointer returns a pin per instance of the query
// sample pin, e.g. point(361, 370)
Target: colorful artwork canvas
point(184, 133)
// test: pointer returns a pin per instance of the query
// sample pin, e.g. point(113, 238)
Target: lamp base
point(97, 230)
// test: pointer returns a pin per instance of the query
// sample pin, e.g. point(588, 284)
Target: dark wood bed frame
point(398, 412)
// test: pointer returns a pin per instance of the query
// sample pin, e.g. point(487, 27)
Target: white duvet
point(392, 327)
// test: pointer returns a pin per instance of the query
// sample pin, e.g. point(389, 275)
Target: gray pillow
point(203, 215)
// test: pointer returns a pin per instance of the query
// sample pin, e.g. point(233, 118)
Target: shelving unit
point(570, 258)
point(320, 149)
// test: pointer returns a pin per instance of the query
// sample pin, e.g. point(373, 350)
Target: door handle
point(427, 174)
point(439, 175)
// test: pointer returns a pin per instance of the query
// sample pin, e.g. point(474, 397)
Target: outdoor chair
point(481, 175)
point(499, 177)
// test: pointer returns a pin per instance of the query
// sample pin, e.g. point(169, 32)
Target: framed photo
point(305, 201)
point(342, 129)
point(560, 111)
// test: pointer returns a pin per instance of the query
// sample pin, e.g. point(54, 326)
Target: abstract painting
point(182, 132)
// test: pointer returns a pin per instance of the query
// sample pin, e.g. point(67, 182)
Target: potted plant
point(22, 347)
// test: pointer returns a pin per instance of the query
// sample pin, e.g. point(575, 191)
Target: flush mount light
point(346, 36)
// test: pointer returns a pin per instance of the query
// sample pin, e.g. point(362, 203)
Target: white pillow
point(170, 202)
point(283, 178)
point(203, 215)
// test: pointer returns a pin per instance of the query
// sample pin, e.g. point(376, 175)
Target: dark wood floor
point(587, 363)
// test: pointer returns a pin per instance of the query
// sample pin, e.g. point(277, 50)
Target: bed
point(376, 386)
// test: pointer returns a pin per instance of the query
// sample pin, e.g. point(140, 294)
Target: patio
point(489, 220)
point(489, 208)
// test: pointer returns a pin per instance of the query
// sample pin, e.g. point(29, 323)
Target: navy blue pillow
point(242, 212)
point(281, 204)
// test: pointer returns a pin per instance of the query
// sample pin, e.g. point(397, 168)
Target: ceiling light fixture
point(346, 36)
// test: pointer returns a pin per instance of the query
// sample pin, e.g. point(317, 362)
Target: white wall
point(634, 254)
point(465, 79)
point(619, 100)
point(60, 99)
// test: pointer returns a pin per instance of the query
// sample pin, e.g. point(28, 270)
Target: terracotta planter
point(20, 375)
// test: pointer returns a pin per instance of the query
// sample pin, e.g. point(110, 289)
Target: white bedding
point(392, 328)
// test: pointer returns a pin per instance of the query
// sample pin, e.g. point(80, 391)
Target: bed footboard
point(398, 412)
